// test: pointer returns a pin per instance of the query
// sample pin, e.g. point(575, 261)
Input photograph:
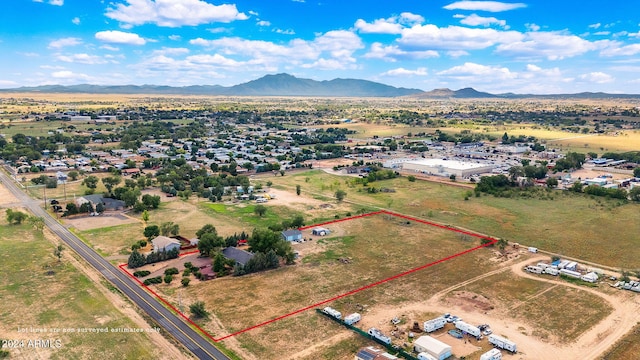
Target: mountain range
point(288, 85)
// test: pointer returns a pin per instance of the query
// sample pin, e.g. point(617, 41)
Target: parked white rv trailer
point(502, 343)
point(573, 266)
point(563, 264)
point(434, 324)
point(377, 334)
point(569, 273)
point(469, 329)
point(333, 312)
point(352, 318)
point(533, 249)
point(551, 271)
point(534, 269)
point(426, 356)
point(493, 354)
point(543, 265)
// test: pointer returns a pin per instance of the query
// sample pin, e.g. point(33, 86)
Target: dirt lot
point(6, 197)
point(590, 344)
point(107, 219)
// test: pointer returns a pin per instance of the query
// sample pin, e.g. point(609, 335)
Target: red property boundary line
point(411, 271)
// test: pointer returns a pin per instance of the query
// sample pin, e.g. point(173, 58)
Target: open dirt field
point(86, 222)
point(364, 251)
point(6, 197)
point(592, 337)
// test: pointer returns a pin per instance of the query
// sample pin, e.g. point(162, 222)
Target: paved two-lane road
point(191, 339)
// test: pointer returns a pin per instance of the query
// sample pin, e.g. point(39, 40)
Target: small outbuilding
point(292, 235)
point(320, 231)
point(165, 243)
point(433, 347)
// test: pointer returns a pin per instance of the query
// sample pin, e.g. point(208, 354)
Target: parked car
point(487, 332)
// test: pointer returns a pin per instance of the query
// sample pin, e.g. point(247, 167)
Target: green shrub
point(171, 271)
point(168, 279)
point(141, 273)
point(185, 282)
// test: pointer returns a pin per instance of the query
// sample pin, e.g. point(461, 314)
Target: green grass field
point(566, 223)
point(65, 299)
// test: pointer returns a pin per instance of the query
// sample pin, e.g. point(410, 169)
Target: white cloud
point(76, 20)
point(285, 32)
point(627, 50)
point(8, 83)
point(457, 53)
point(597, 77)
point(324, 52)
point(170, 51)
point(64, 42)
point(379, 26)
point(405, 72)
point(536, 72)
point(433, 37)
point(410, 19)
point(120, 37)
point(491, 6)
point(392, 25)
point(56, 2)
point(82, 59)
point(550, 45)
point(471, 70)
point(475, 20)
point(175, 37)
point(254, 13)
point(602, 33)
point(69, 75)
point(263, 23)
point(110, 48)
point(215, 59)
point(392, 53)
point(532, 27)
point(218, 30)
point(173, 13)
point(595, 26)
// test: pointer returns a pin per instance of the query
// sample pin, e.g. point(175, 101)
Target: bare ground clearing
point(589, 345)
point(107, 219)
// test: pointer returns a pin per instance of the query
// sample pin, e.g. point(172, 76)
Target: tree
point(130, 197)
point(86, 207)
point(552, 182)
point(168, 279)
point(73, 175)
point(169, 228)
point(209, 243)
point(219, 262)
point(502, 244)
point(260, 210)
point(145, 216)
point(151, 201)
point(298, 189)
point(297, 222)
point(505, 138)
point(208, 228)
point(37, 222)
point(90, 182)
point(411, 178)
point(16, 217)
point(136, 260)
point(340, 195)
point(57, 252)
point(198, 310)
point(110, 182)
point(452, 177)
point(99, 208)
point(151, 231)
point(185, 281)
point(634, 193)
point(269, 183)
point(636, 172)
point(72, 209)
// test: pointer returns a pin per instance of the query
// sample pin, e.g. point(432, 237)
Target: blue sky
point(539, 47)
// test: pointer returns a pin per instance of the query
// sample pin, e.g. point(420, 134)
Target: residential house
point(95, 199)
point(240, 256)
point(165, 243)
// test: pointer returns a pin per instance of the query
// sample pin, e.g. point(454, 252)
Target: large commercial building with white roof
point(442, 167)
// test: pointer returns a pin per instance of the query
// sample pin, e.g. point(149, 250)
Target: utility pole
point(44, 190)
